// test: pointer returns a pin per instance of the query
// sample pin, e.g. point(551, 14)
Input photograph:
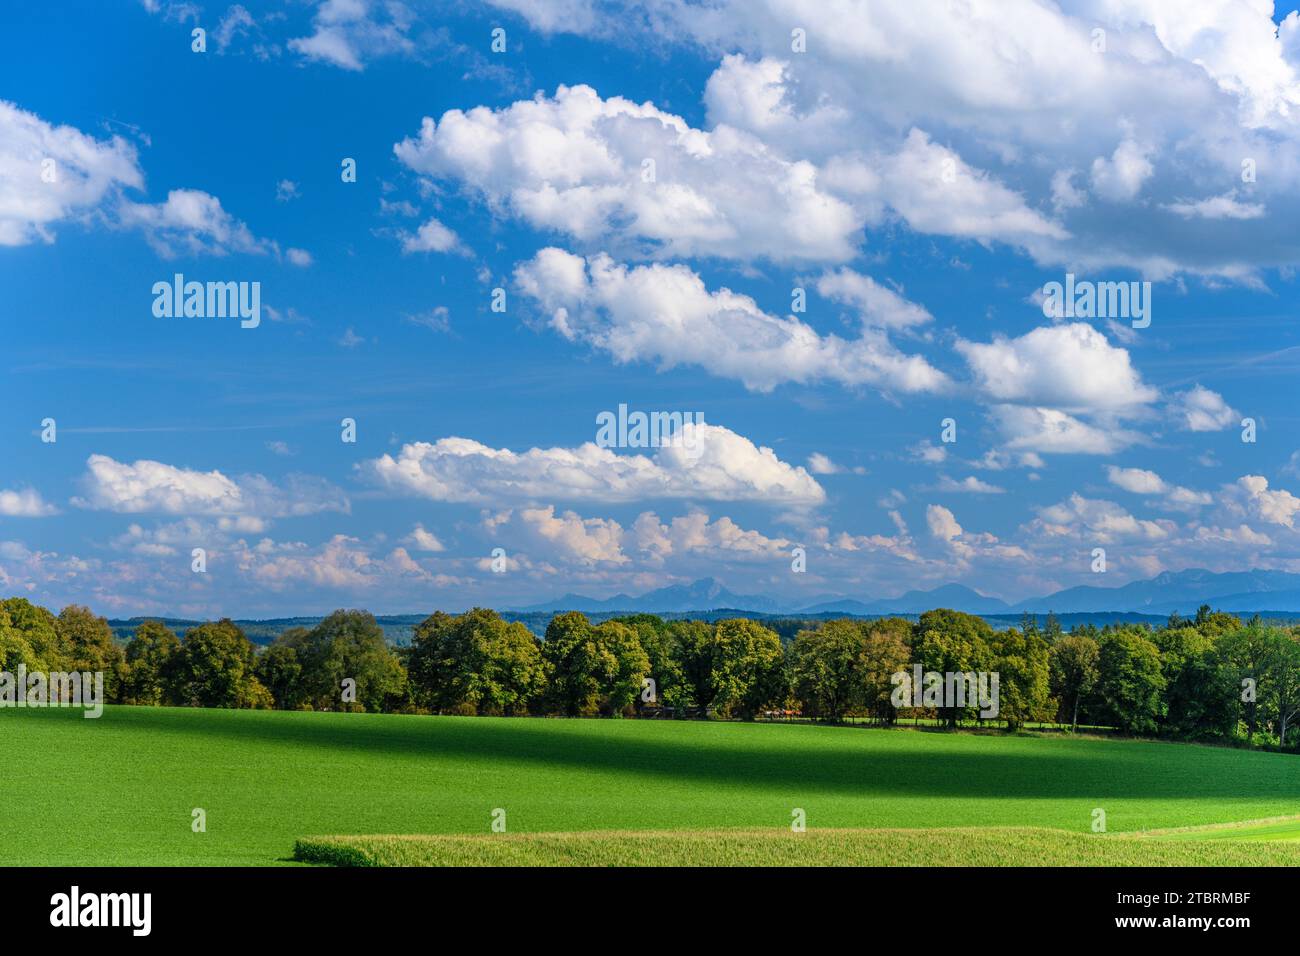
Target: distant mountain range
point(705, 594)
point(1166, 593)
point(1181, 591)
point(1270, 593)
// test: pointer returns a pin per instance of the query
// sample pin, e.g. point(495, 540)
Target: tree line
point(1208, 677)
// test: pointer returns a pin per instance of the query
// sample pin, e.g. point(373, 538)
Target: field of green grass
point(1271, 831)
point(955, 846)
point(120, 790)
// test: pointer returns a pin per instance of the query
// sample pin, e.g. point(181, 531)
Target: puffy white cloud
point(343, 563)
point(1142, 482)
point(878, 305)
point(1097, 520)
point(423, 540)
point(1237, 44)
point(139, 576)
point(433, 236)
point(1182, 92)
point(928, 452)
point(52, 174)
point(549, 16)
point(695, 533)
point(347, 33)
point(551, 541)
point(1241, 536)
point(1225, 206)
point(965, 545)
point(86, 173)
point(997, 459)
point(1051, 431)
point(193, 222)
point(1071, 367)
point(1136, 480)
point(594, 540)
point(25, 503)
point(1064, 193)
point(155, 487)
point(1274, 505)
point(666, 314)
point(578, 164)
point(943, 525)
point(1061, 389)
point(820, 464)
point(1120, 176)
point(752, 95)
point(1007, 65)
point(174, 537)
point(922, 60)
point(29, 571)
point(1201, 410)
point(712, 463)
point(969, 485)
point(900, 545)
point(1020, 116)
point(548, 541)
point(937, 192)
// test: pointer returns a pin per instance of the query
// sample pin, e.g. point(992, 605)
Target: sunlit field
point(123, 790)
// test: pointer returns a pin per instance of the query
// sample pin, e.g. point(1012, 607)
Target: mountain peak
point(1167, 592)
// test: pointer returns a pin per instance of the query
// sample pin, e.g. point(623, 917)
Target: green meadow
point(954, 846)
point(122, 789)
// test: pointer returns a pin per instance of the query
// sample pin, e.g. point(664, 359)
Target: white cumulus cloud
point(579, 164)
point(665, 314)
point(1071, 367)
point(348, 33)
point(25, 503)
point(714, 463)
point(51, 174)
point(155, 487)
point(1200, 409)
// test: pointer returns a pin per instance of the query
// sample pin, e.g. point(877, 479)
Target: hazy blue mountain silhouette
point(1171, 591)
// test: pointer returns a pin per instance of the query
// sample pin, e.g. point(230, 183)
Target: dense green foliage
point(474, 663)
point(843, 667)
point(1211, 677)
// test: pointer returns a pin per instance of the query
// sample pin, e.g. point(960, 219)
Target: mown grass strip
point(1271, 830)
point(994, 846)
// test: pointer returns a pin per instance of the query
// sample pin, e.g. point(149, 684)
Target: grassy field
point(1272, 831)
point(957, 846)
point(120, 790)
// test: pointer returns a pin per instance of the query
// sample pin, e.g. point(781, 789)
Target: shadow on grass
point(767, 756)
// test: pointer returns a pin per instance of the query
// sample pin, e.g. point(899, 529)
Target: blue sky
point(921, 174)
